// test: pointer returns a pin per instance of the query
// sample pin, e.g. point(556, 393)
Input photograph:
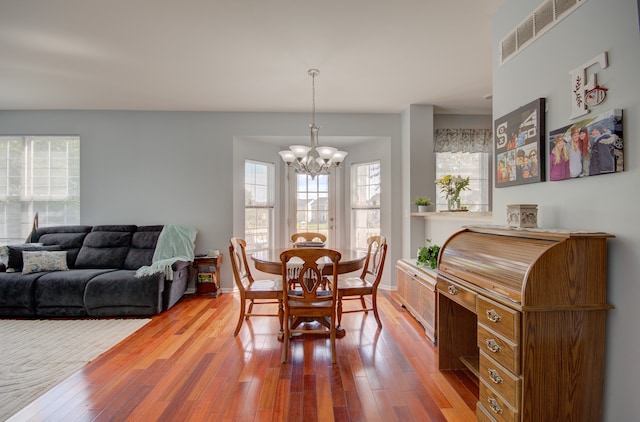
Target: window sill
point(448, 215)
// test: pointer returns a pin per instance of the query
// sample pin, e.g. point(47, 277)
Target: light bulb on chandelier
point(313, 160)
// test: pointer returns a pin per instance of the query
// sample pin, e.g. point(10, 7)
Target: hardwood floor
point(187, 365)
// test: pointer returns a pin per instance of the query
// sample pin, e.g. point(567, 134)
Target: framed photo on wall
point(519, 146)
point(588, 147)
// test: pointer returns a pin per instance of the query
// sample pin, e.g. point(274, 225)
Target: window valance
point(463, 140)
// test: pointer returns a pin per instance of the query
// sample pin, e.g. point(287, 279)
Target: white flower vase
point(453, 204)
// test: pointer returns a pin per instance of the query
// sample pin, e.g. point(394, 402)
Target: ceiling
point(374, 56)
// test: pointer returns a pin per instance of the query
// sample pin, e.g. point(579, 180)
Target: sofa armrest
point(178, 265)
point(174, 289)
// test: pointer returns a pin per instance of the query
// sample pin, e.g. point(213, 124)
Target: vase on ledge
point(453, 204)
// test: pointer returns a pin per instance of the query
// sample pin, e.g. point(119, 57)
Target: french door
point(313, 205)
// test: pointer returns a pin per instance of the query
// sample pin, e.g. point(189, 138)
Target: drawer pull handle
point(452, 290)
point(493, 316)
point(493, 345)
point(493, 404)
point(495, 377)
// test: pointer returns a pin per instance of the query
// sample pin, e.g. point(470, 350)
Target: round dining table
point(268, 261)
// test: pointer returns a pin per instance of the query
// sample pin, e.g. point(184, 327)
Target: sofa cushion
point(41, 261)
point(143, 245)
point(105, 247)
point(14, 254)
point(69, 238)
point(121, 293)
point(61, 293)
point(16, 294)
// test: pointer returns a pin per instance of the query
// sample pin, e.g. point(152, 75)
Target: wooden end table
point(207, 275)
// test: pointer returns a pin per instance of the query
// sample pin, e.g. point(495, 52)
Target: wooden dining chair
point(351, 288)
point(308, 236)
point(258, 292)
point(309, 302)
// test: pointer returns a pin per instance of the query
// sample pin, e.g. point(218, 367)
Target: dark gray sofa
point(101, 280)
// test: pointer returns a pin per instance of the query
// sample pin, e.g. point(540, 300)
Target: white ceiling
point(374, 56)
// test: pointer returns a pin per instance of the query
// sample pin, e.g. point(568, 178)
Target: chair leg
point(364, 304)
point(250, 308)
point(374, 302)
point(339, 310)
point(242, 313)
point(281, 315)
point(285, 339)
point(332, 340)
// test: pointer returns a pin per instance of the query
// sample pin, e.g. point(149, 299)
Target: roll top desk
point(524, 309)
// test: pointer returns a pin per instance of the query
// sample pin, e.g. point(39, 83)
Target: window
point(38, 174)
point(258, 205)
point(365, 203)
point(475, 165)
point(312, 204)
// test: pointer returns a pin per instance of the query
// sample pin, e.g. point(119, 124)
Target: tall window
point(464, 152)
point(38, 174)
point(474, 165)
point(312, 204)
point(365, 202)
point(258, 205)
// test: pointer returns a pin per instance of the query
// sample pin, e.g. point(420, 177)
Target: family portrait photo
point(589, 147)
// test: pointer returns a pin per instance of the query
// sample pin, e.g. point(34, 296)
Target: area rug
point(35, 355)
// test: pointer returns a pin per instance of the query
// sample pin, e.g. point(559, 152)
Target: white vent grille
point(548, 14)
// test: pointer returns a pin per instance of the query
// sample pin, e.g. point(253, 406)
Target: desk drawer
point(458, 294)
point(496, 406)
point(483, 414)
point(499, 318)
point(500, 349)
point(501, 380)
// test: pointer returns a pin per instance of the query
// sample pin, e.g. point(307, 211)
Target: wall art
point(589, 147)
point(519, 146)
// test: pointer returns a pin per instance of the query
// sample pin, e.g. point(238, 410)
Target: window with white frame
point(38, 174)
point(465, 153)
point(474, 165)
point(365, 203)
point(258, 205)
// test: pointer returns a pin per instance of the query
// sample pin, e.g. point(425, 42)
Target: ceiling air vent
point(545, 16)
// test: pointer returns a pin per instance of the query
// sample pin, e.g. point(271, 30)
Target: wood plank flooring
point(186, 365)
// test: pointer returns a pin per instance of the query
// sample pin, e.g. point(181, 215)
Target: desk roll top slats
point(525, 310)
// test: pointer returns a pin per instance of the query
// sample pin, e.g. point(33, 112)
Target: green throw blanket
point(175, 243)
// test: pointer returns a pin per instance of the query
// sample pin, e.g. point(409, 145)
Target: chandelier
point(313, 160)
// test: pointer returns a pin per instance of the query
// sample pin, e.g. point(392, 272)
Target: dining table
point(268, 261)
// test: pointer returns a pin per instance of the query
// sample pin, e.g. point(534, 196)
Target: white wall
point(599, 203)
point(142, 167)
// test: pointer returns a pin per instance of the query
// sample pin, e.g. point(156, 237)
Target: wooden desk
point(524, 309)
point(268, 261)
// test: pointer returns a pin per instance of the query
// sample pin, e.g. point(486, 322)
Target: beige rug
point(35, 355)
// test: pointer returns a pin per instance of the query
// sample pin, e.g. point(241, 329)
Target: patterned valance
point(463, 140)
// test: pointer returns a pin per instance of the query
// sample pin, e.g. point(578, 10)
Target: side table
point(207, 274)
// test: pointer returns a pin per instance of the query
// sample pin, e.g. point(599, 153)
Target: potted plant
point(422, 202)
point(428, 255)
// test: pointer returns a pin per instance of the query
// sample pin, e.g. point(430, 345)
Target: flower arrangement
point(428, 255)
point(451, 186)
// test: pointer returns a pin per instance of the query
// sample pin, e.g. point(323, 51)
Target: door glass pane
point(312, 204)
